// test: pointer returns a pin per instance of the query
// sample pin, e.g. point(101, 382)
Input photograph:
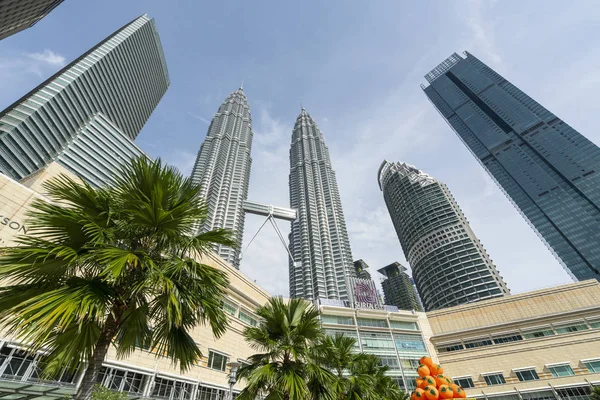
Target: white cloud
point(207, 122)
point(481, 28)
point(48, 57)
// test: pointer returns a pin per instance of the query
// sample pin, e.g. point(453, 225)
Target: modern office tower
point(18, 15)
point(549, 171)
point(222, 169)
point(97, 151)
point(318, 239)
point(449, 264)
point(360, 267)
point(122, 78)
point(398, 288)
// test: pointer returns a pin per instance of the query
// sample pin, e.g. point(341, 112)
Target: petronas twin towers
point(322, 259)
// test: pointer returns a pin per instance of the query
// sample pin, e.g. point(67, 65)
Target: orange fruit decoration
point(426, 361)
point(412, 395)
point(419, 382)
point(423, 370)
point(432, 393)
point(446, 392)
point(441, 380)
point(429, 381)
point(458, 392)
point(419, 394)
point(436, 369)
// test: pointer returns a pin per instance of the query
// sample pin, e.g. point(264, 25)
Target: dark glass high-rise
point(549, 171)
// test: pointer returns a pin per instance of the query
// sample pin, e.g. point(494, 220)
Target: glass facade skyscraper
point(448, 262)
point(119, 81)
point(398, 288)
point(18, 15)
point(549, 171)
point(318, 239)
point(222, 169)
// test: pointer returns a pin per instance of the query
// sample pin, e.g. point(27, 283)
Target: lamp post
point(233, 367)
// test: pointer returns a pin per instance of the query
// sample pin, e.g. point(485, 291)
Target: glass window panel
point(377, 323)
point(527, 375)
point(409, 343)
point(464, 382)
point(571, 328)
point(337, 319)
point(592, 365)
point(561, 370)
point(538, 333)
point(494, 379)
point(404, 325)
point(217, 361)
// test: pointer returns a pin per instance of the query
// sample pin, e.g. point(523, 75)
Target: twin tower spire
point(319, 239)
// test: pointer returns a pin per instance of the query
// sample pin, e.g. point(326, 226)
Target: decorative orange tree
point(432, 384)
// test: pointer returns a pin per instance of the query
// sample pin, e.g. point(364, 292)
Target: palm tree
point(595, 395)
point(283, 370)
point(338, 354)
point(115, 265)
point(383, 386)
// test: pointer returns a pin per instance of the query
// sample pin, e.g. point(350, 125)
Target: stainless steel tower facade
point(122, 79)
point(318, 239)
point(448, 262)
point(549, 171)
point(222, 168)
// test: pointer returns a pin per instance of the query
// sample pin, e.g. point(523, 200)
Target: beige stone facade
point(157, 377)
point(535, 345)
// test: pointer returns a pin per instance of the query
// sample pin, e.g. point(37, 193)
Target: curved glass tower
point(448, 262)
point(318, 239)
point(549, 171)
point(222, 168)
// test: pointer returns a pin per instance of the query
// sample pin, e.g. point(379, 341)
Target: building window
point(592, 365)
point(465, 382)
point(376, 323)
point(507, 338)
point(404, 325)
point(527, 375)
point(390, 362)
point(594, 323)
point(450, 347)
point(229, 308)
point(247, 318)
point(409, 343)
point(217, 360)
point(538, 333)
point(561, 370)
point(494, 379)
point(571, 328)
point(336, 319)
point(478, 343)
point(410, 363)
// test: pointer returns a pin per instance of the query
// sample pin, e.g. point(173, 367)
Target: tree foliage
point(113, 266)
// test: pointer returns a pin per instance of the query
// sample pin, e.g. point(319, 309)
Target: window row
point(523, 334)
point(529, 374)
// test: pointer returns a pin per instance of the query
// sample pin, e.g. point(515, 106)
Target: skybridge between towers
point(272, 213)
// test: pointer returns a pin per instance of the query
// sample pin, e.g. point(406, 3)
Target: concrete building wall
point(538, 331)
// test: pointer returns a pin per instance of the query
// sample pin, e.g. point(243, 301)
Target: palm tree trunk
point(95, 363)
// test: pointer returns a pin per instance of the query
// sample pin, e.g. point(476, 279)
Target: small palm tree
point(116, 266)
point(338, 354)
point(283, 370)
point(595, 395)
point(383, 386)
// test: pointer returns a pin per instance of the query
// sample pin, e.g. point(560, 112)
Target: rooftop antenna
point(242, 85)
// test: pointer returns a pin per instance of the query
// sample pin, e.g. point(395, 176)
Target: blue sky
point(356, 66)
